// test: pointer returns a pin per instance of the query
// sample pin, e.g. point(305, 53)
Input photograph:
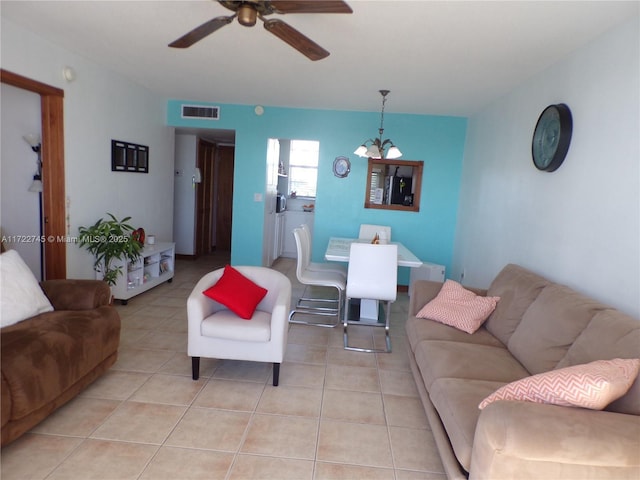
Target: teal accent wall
point(437, 140)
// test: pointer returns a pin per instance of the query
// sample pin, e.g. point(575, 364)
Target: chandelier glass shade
point(377, 147)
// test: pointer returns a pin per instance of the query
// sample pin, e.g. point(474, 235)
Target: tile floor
point(336, 415)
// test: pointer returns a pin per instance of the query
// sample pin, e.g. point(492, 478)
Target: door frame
point(53, 186)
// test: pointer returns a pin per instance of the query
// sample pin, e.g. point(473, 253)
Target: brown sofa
point(537, 326)
point(48, 359)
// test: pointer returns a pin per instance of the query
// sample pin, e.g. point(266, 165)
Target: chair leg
point(276, 374)
point(386, 331)
point(195, 367)
point(322, 311)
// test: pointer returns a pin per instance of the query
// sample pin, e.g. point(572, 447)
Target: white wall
point(99, 106)
point(186, 149)
point(19, 208)
point(581, 224)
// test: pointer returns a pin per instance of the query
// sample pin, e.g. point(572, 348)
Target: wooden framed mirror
point(394, 184)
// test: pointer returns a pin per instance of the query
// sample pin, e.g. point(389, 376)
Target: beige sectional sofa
point(537, 326)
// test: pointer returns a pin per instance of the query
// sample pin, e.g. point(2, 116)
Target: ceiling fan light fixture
point(247, 15)
point(377, 147)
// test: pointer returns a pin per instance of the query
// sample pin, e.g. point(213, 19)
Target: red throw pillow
point(236, 292)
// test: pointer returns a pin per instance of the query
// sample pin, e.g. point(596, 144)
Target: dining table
point(338, 250)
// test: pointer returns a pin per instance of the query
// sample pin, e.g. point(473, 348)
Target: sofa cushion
point(443, 359)
point(592, 385)
point(22, 296)
point(517, 289)
point(456, 401)
point(47, 354)
point(226, 324)
point(610, 334)
point(549, 327)
point(419, 329)
point(458, 307)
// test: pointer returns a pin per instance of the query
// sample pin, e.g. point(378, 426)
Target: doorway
point(214, 197)
point(53, 187)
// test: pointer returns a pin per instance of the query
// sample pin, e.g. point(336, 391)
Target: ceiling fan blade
point(202, 31)
point(297, 40)
point(311, 6)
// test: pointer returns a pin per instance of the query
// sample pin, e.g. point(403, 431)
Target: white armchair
point(216, 332)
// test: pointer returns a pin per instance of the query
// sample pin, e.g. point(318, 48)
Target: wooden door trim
point(53, 186)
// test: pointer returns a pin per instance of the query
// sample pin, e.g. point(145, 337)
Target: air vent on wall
point(198, 111)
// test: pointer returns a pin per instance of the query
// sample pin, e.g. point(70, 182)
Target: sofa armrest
point(423, 292)
point(76, 294)
point(532, 440)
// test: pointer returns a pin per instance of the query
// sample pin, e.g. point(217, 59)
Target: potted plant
point(109, 240)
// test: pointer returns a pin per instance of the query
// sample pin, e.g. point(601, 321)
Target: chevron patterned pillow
point(458, 307)
point(591, 385)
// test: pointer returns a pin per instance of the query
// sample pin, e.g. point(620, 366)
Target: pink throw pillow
point(236, 292)
point(592, 385)
point(458, 307)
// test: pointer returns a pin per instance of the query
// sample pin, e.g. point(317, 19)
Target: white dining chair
point(368, 232)
point(322, 306)
point(316, 266)
point(372, 274)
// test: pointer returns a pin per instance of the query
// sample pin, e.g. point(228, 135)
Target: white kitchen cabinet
point(292, 220)
point(155, 266)
point(278, 242)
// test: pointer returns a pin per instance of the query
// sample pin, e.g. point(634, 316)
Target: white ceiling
point(436, 57)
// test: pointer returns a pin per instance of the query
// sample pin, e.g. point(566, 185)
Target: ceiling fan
point(248, 11)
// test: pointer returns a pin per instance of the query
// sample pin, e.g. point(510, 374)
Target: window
point(303, 167)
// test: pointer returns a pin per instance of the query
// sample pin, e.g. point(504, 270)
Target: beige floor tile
point(176, 342)
point(308, 335)
point(176, 324)
point(79, 417)
point(301, 375)
point(415, 475)
point(211, 429)
point(141, 321)
point(230, 395)
point(240, 370)
point(140, 422)
point(306, 354)
point(398, 383)
point(141, 360)
point(34, 456)
point(398, 361)
point(340, 356)
point(180, 364)
point(103, 460)
point(172, 463)
point(282, 436)
point(356, 407)
point(415, 449)
point(166, 301)
point(130, 337)
point(159, 311)
point(170, 389)
point(340, 471)
point(361, 379)
point(270, 468)
point(285, 400)
point(115, 385)
point(354, 443)
point(405, 411)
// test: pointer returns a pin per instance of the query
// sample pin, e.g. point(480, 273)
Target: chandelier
point(377, 146)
